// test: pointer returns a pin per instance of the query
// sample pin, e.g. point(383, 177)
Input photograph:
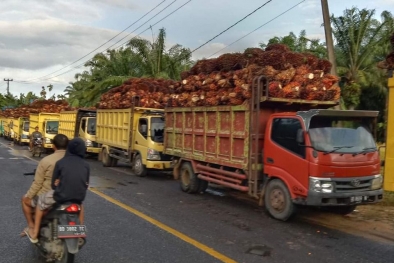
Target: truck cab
point(325, 157)
point(24, 131)
point(80, 123)
point(48, 125)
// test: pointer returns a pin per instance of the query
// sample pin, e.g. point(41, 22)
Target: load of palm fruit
point(49, 106)
point(227, 80)
point(388, 63)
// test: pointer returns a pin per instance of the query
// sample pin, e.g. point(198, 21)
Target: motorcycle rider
point(35, 135)
point(43, 179)
point(70, 182)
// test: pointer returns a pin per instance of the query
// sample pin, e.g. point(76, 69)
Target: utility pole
point(8, 85)
point(329, 41)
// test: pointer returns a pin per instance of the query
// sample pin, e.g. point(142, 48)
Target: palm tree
point(358, 36)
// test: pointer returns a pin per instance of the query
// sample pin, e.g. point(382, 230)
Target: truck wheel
point(106, 159)
point(203, 186)
point(139, 168)
point(342, 210)
point(278, 201)
point(114, 162)
point(189, 181)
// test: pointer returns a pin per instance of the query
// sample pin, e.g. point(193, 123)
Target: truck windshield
point(329, 134)
point(26, 126)
point(91, 129)
point(52, 127)
point(157, 129)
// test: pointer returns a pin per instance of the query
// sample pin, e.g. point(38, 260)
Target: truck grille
point(356, 184)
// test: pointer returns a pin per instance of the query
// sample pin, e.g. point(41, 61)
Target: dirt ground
point(371, 221)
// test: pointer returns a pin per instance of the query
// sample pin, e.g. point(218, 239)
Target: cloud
point(36, 44)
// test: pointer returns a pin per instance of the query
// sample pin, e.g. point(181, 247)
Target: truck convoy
point(134, 136)
point(80, 123)
point(48, 125)
point(282, 152)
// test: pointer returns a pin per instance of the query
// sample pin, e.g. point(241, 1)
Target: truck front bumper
point(25, 140)
point(93, 150)
point(342, 199)
point(48, 145)
point(158, 165)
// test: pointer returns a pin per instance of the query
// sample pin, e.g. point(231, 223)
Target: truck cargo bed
point(216, 135)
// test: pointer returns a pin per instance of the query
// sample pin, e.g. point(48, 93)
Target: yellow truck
point(80, 123)
point(48, 125)
point(2, 126)
point(133, 135)
point(19, 129)
point(6, 126)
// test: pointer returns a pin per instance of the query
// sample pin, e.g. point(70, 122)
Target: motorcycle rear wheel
point(67, 257)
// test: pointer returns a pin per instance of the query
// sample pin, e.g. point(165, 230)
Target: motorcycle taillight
point(73, 208)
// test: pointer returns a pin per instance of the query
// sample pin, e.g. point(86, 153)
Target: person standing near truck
point(35, 135)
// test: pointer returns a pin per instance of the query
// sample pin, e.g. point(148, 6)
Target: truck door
point(82, 129)
point(284, 155)
point(141, 138)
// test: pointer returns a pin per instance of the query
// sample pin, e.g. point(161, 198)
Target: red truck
point(282, 152)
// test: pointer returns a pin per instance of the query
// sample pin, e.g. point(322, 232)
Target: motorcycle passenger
point(43, 179)
point(70, 182)
point(35, 135)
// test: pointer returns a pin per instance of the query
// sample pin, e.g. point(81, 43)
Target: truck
point(1, 126)
point(80, 123)
point(48, 125)
point(19, 129)
point(281, 152)
point(134, 136)
point(6, 128)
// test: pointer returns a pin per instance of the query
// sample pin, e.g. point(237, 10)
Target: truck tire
point(106, 159)
point(139, 168)
point(189, 180)
point(278, 201)
point(342, 210)
point(114, 162)
point(203, 186)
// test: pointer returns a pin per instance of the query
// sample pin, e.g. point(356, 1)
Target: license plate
point(67, 231)
point(358, 199)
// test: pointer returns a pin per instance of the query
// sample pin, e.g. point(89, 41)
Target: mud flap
point(71, 243)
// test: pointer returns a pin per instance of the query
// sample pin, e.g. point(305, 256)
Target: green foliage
point(299, 44)
point(141, 58)
point(351, 94)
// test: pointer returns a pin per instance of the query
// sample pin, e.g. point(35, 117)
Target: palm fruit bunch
point(228, 80)
point(48, 106)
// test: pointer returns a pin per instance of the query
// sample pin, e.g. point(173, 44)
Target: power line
point(127, 40)
point(232, 25)
point(258, 28)
point(105, 42)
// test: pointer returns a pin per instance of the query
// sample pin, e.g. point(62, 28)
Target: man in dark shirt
point(70, 181)
point(36, 134)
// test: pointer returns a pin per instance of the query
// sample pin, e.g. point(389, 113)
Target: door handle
point(270, 160)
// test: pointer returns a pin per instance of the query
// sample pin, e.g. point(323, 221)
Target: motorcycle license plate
point(67, 231)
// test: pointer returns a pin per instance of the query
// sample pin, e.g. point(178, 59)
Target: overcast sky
point(39, 37)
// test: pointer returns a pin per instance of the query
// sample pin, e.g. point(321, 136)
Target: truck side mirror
point(300, 136)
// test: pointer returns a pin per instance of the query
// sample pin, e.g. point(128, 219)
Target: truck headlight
point(321, 186)
point(48, 140)
point(89, 143)
point(377, 182)
point(153, 155)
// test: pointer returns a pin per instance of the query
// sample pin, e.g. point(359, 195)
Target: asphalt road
point(213, 227)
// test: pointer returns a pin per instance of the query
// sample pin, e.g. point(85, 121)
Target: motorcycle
point(61, 236)
point(37, 147)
